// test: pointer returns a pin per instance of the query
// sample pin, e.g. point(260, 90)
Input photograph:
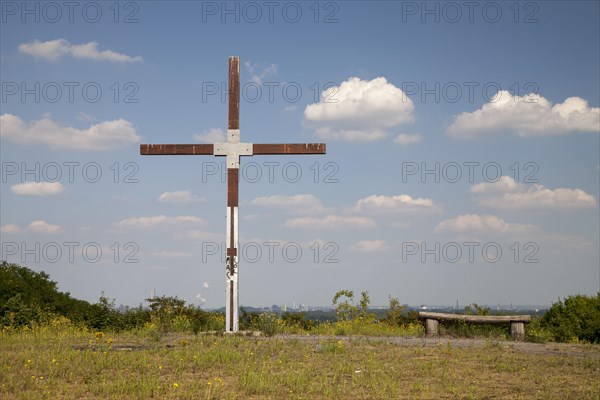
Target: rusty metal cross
point(233, 150)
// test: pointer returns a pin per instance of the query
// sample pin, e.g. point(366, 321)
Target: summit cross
point(233, 149)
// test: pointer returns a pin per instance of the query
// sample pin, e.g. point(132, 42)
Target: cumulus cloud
point(259, 72)
point(370, 246)
point(11, 229)
point(330, 222)
point(398, 203)
point(300, 203)
point(408, 138)
point(107, 135)
point(506, 193)
point(182, 196)
point(52, 50)
point(530, 115)
point(214, 135)
point(480, 223)
point(38, 226)
point(359, 110)
point(504, 184)
point(38, 188)
point(157, 221)
point(41, 226)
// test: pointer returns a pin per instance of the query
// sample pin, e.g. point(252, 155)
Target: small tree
point(475, 309)
point(395, 311)
point(165, 308)
point(364, 302)
point(346, 309)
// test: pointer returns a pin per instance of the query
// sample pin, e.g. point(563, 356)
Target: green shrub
point(577, 318)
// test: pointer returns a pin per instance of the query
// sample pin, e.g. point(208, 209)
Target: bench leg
point(431, 327)
point(517, 330)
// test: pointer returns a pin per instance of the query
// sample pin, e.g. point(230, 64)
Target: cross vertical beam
point(233, 150)
point(233, 138)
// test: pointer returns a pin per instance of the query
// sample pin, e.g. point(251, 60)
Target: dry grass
point(71, 364)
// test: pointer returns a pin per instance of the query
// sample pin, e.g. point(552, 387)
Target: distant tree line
point(29, 299)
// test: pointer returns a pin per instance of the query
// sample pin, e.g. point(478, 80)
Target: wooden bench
point(517, 322)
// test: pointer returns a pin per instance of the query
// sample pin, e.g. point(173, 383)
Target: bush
point(577, 318)
point(16, 313)
point(297, 320)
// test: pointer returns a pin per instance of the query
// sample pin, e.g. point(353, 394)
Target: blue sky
point(498, 102)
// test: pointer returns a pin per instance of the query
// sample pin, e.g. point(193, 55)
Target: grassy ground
point(73, 364)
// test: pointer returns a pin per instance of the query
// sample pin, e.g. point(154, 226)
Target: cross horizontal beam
point(288, 148)
point(176, 149)
point(209, 149)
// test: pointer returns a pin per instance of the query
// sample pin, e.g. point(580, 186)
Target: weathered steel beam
point(176, 149)
point(288, 148)
point(234, 93)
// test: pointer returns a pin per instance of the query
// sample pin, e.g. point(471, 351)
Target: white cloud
point(300, 203)
point(40, 226)
point(183, 196)
point(52, 50)
point(504, 184)
point(259, 72)
point(359, 110)
point(408, 138)
point(330, 222)
point(480, 223)
point(11, 229)
point(506, 193)
point(530, 115)
point(38, 188)
point(370, 246)
point(214, 135)
point(107, 135)
point(157, 221)
point(205, 285)
point(201, 299)
point(398, 203)
point(85, 117)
